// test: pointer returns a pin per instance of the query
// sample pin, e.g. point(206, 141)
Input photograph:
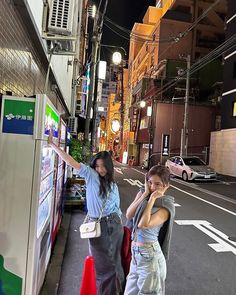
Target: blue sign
point(18, 117)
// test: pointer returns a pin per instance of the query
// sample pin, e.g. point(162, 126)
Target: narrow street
point(133, 82)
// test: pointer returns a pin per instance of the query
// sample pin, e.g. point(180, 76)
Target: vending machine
point(60, 175)
point(27, 178)
point(68, 169)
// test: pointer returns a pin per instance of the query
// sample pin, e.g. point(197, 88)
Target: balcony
point(178, 16)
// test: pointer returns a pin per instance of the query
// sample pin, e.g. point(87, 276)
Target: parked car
point(190, 168)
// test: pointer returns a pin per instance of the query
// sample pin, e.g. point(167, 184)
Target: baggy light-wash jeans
point(147, 271)
point(106, 251)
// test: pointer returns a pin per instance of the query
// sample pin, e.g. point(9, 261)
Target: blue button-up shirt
point(93, 198)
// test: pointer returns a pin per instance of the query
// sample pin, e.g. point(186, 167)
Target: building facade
point(222, 149)
point(155, 63)
point(35, 64)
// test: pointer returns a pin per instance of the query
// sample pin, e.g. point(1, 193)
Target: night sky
point(124, 13)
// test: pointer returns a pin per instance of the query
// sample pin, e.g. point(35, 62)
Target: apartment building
point(159, 47)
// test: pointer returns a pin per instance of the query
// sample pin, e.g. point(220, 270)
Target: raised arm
point(138, 199)
point(134, 205)
point(149, 220)
point(65, 157)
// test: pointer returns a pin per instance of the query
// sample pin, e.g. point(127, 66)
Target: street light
point(142, 104)
point(117, 58)
point(115, 125)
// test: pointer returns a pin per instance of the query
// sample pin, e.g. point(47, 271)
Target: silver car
point(190, 168)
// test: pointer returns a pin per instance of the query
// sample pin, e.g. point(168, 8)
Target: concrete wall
point(223, 151)
point(169, 28)
point(169, 120)
point(21, 69)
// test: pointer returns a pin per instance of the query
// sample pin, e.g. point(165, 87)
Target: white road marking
point(192, 185)
point(134, 182)
point(208, 202)
point(139, 171)
point(223, 243)
point(118, 170)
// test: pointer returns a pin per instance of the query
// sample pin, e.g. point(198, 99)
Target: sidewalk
point(66, 266)
point(65, 271)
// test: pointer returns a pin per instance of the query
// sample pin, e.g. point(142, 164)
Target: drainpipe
point(76, 60)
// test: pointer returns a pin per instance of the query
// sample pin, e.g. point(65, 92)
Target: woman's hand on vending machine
point(50, 139)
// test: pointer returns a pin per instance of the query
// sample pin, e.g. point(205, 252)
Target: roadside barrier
point(88, 285)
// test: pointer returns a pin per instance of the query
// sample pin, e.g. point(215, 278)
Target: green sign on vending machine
point(10, 284)
point(18, 116)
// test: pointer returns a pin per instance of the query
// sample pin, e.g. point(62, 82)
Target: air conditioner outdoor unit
point(61, 16)
point(78, 107)
point(73, 124)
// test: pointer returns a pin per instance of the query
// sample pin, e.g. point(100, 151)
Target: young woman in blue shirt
point(101, 189)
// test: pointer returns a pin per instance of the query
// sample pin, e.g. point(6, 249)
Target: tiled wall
point(223, 152)
point(21, 70)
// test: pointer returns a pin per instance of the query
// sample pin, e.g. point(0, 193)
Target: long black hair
point(108, 179)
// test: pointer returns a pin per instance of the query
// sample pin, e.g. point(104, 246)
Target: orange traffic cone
point(88, 285)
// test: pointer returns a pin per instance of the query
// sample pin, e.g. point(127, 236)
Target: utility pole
point(184, 133)
point(96, 39)
point(94, 105)
point(122, 110)
point(152, 124)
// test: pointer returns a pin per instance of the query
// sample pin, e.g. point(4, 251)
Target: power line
point(135, 38)
point(220, 50)
point(200, 17)
point(185, 33)
point(174, 39)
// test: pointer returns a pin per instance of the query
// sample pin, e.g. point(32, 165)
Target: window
point(193, 161)
point(158, 3)
point(234, 109)
point(178, 161)
point(144, 123)
point(234, 70)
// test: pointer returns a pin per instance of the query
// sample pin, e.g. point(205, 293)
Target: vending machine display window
point(51, 121)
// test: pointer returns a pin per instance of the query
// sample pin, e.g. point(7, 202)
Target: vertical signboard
point(165, 151)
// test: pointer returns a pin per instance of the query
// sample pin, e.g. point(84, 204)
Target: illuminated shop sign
point(51, 121)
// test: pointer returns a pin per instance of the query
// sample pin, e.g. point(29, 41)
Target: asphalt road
point(203, 249)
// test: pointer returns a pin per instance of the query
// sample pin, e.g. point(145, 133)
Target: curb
point(53, 274)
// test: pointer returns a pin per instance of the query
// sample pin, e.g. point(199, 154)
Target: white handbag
point(92, 229)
